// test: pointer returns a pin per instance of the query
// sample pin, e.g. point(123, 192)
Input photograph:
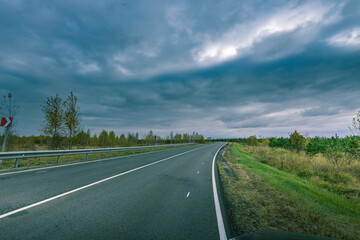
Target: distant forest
point(104, 139)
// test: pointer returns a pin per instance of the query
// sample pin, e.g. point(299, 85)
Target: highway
point(159, 195)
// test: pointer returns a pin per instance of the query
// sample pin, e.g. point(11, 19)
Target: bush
point(280, 142)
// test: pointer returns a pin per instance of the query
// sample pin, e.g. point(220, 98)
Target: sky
point(222, 68)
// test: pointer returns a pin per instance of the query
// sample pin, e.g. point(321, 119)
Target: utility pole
point(7, 127)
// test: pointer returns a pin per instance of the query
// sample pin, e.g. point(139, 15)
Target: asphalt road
point(159, 195)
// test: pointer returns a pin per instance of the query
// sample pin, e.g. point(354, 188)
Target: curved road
point(159, 195)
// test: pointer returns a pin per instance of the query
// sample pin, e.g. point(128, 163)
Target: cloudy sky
point(226, 68)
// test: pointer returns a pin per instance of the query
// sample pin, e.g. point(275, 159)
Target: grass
point(30, 162)
point(342, 178)
point(261, 197)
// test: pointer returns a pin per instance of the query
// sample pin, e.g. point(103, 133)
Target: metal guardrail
point(59, 153)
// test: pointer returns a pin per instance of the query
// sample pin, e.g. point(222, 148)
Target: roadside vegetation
point(62, 129)
point(296, 183)
point(105, 139)
point(33, 162)
point(278, 189)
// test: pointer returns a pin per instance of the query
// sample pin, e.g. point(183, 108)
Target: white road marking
point(198, 171)
point(77, 163)
point(220, 221)
point(188, 194)
point(92, 184)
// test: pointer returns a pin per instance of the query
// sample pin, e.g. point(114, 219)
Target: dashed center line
point(198, 171)
point(188, 194)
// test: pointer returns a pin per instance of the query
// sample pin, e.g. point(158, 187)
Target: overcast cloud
point(222, 68)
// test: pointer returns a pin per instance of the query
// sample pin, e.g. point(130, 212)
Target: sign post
point(5, 122)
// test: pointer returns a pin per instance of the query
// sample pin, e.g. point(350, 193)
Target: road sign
point(155, 137)
point(6, 122)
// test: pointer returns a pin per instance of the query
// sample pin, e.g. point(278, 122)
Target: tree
point(136, 138)
point(298, 141)
point(177, 138)
point(82, 138)
point(104, 138)
point(316, 145)
point(355, 126)
point(94, 140)
point(171, 137)
point(88, 137)
point(112, 138)
point(201, 139)
point(150, 138)
point(123, 140)
point(356, 131)
point(252, 140)
point(72, 117)
point(53, 125)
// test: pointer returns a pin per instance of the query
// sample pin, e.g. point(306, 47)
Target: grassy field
point(262, 197)
point(30, 162)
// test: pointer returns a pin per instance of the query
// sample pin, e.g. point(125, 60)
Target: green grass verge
point(264, 198)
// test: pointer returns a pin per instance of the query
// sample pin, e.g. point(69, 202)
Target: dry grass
point(342, 178)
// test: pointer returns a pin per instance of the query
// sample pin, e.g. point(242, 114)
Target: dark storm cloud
point(224, 68)
point(320, 111)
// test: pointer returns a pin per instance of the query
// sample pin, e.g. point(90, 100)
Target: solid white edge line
point(220, 221)
point(77, 163)
point(92, 184)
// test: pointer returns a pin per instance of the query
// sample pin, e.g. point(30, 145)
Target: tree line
point(334, 148)
point(61, 129)
point(62, 126)
point(84, 139)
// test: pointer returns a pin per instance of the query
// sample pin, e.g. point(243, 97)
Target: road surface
point(158, 195)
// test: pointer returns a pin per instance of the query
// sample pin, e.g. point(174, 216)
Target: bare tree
point(355, 126)
point(72, 117)
point(54, 120)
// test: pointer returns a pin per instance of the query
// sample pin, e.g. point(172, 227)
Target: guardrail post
point(87, 157)
point(58, 159)
point(16, 163)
